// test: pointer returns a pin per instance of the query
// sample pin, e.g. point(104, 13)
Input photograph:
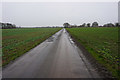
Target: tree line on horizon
point(7, 26)
point(65, 25)
point(12, 26)
point(94, 24)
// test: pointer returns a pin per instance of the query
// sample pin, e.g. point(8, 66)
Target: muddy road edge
point(102, 71)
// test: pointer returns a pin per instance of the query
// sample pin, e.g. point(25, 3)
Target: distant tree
point(0, 25)
point(8, 25)
point(109, 25)
point(4, 26)
point(74, 25)
point(88, 24)
point(84, 25)
point(94, 24)
point(80, 26)
point(66, 25)
point(117, 24)
point(14, 26)
point(105, 25)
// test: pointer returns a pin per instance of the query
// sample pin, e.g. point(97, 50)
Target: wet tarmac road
point(57, 57)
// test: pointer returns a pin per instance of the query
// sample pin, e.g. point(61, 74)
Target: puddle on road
point(51, 39)
point(54, 37)
point(69, 38)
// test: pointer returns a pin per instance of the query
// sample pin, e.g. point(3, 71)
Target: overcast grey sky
point(57, 13)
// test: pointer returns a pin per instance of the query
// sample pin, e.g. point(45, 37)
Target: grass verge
point(102, 43)
point(16, 42)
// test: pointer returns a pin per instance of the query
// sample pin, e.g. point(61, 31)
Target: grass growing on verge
point(102, 43)
point(16, 42)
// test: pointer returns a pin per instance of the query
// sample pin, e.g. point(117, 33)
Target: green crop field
point(102, 43)
point(16, 42)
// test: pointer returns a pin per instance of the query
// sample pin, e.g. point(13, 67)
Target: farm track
point(56, 57)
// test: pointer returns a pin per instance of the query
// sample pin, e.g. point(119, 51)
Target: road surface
point(56, 57)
